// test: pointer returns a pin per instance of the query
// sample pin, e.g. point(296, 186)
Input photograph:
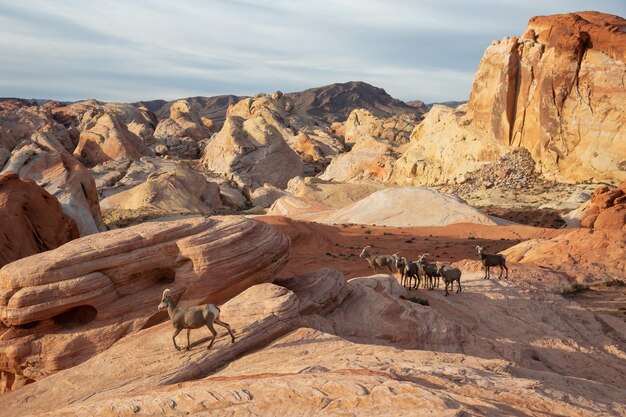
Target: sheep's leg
point(459, 282)
point(227, 326)
point(174, 338)
point(213, 331)
point(188, 331)
point(507, 272)
point(446, 282)
point(390, 270)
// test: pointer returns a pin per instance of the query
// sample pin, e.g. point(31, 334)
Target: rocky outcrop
point(376, 144)
point(332, 343)
point(558, 91)
point(177, 191)
point(581, 256)
point(407, 207)
point(36, 147)
point(605, 210)
point(182, 122)
point(362, 124)
point(63, 306)
point(32, 220)
point(396, 207)
point(444, 148)
point(107, 137)
point(266, 195)
point(208, 108)
point(250, 151)
point(369, 161)
point(308, 137)
point(330, 193)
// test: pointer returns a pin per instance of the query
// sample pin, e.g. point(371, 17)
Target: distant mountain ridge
point(329, 103)
point(334, 102)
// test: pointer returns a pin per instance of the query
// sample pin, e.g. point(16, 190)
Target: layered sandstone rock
point(180, 190)
point(369, 161)
point(276, 121)
point(330, 193)
point(582, 256)
point(605, 210)
point(39, 151)
point(376, 145)
point(407, 207)
point(397, 207)
point(182, 122)
point(444, 148)
point(362, 124)
point(251, 152)
point(32, 220)
point(107, 137)
point(558, 91)
point(310, 331)
point(63, 306)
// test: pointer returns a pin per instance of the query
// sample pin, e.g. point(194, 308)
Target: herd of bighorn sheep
point(413, 272)
point(195, 317)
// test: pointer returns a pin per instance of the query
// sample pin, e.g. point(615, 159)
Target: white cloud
point(120, 50)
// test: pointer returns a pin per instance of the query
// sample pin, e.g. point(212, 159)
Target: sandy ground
point(338, 246)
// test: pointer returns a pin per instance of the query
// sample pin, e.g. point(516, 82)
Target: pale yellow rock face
point(363, 124)
point(559, 92)
point(443, 148)
point(252, 152)
point(180, 190)
point(183, 122)
point(34, 146)
point(61, 307)
point(313, 142)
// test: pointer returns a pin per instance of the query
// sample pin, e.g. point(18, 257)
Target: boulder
point(32, 220)
point(61, 307)
point(605, 210)
point(313, 142)
point(266, 195)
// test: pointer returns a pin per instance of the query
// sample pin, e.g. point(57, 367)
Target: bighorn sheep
point(449, 275)
point(377, 261)
point(490, 260)
point(412, 270)
point(429, 271)
point(192, 318)
point(400, 264)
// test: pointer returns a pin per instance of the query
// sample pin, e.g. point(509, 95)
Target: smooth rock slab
point(64, 306)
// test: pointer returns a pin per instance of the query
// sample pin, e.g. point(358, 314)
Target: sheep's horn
point(166, 292)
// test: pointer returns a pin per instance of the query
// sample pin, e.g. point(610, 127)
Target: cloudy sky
point(146, 49)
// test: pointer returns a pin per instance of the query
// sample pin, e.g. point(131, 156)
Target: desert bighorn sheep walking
point(193, 318)
point(377, 261)
point(490, 260)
